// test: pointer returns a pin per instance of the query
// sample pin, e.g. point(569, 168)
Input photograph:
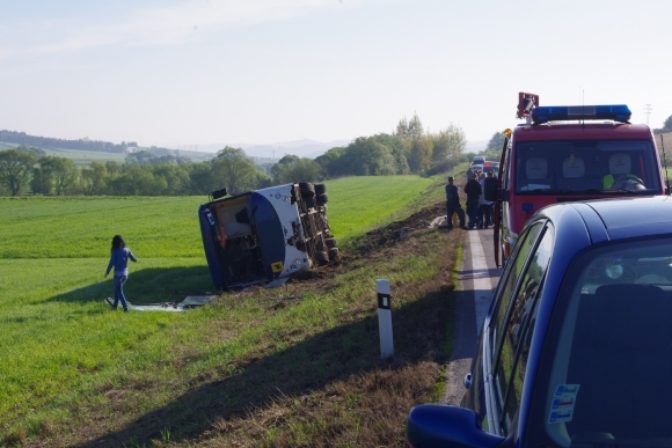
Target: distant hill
point(86, 150)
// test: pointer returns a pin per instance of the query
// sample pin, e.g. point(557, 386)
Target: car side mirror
point(437, 425)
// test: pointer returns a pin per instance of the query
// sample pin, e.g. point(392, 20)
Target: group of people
point(479, 210)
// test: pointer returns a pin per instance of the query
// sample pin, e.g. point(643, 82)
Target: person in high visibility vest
point(620, 177)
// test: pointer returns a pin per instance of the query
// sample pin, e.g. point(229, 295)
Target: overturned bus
point(266, 236)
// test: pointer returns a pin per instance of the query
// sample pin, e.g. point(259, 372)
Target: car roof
point(614, 219)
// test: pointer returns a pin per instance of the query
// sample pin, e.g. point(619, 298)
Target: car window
point(586, 166)
point(609, 382)
point(511, 365)
point(513, 318)
point(504, 293)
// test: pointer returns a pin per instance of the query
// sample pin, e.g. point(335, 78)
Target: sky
point(187, 73)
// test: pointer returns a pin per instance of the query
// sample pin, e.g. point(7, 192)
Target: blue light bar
point(616, 112)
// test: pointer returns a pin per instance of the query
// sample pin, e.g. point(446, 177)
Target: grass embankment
point(292, 366)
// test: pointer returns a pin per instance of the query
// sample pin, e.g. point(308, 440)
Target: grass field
point(75, 373)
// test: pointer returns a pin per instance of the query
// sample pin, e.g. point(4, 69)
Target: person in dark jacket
point(453, 204)
point(120, 254)
point(473, 191)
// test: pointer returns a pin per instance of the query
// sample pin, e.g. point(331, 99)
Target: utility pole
point(647, 110)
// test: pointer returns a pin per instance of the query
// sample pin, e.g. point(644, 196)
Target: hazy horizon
point(178, 73)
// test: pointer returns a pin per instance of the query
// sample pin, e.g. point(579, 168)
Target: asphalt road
point(478, 277)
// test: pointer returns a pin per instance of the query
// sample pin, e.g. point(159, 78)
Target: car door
point(509, 329)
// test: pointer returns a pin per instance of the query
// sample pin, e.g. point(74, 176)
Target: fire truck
point(568, 153)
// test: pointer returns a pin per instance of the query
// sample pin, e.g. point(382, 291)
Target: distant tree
point(368, 156)
point(331, 162)
point(667, 126)
point(113, 168)
point(278, 169)
point(415, 130)
point(176, 178)
point(408, 134)
point(402, 129)
point(142, 157)
point(64, 174)
point(94, 178)
point(15, 170)
point(37, 152)
point(136, 180)
point(421, 154)
point(294, 169)
point(202, 179)
point(235, 171)
point(494, 149)
point(42, 180)
point(396, 148)
point(448, 144)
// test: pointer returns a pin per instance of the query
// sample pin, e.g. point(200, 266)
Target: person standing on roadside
point(485, 212)
point(120, 254)
point(453, 204)
point(473, 191)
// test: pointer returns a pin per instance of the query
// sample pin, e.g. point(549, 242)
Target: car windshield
point(610, 380)
point(586, 167)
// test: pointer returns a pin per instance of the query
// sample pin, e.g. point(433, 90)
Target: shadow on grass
point(420, 331)
point(148, 286)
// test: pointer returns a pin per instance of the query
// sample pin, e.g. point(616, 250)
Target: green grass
point(362, 203)
point(68, 363)
point(159, 227)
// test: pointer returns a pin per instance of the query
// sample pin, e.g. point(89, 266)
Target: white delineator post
point(385, 318)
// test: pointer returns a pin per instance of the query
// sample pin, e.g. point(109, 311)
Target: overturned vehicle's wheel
point(321, 199)
point(307, 189)
point(334, 256)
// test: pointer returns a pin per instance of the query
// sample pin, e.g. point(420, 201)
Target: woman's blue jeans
point(119, 281)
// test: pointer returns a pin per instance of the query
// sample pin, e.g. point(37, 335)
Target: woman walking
point(119, 260)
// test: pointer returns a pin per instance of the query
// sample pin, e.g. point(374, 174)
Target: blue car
point(576, 350)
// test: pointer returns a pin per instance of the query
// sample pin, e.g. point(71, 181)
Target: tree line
point(23, 139)
point(409, 149)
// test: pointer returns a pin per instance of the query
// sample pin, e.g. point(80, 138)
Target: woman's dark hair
point(118, 242)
